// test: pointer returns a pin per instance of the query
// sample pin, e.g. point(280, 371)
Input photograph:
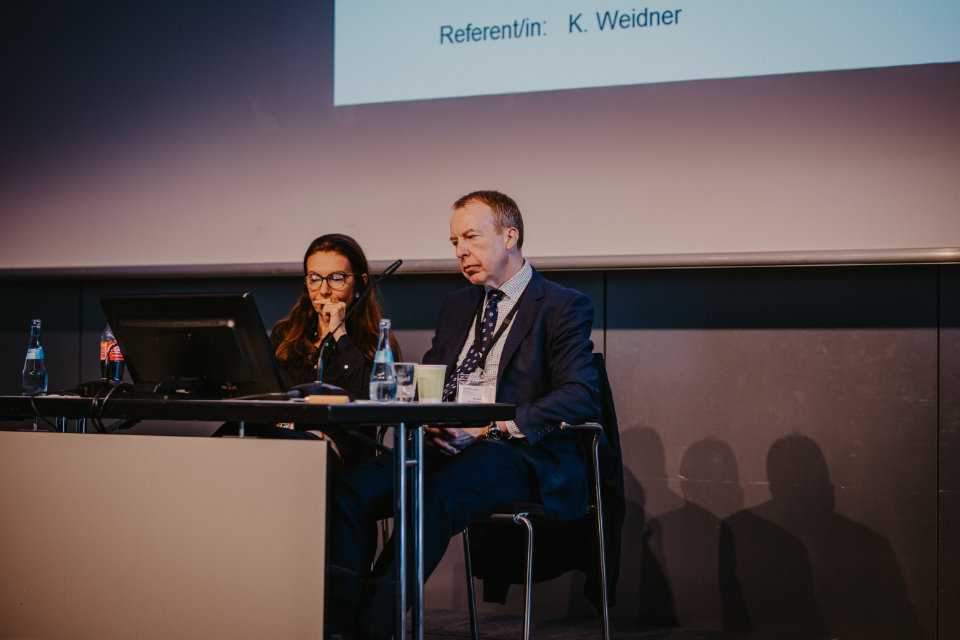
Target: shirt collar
point(514, 287)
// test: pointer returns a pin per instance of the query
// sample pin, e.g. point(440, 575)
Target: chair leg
point(520, 518)
point(471, 594)
point(601, 549)
point(527, 574)
point(605, 608)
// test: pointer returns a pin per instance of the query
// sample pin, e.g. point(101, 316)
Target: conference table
point(405, 418)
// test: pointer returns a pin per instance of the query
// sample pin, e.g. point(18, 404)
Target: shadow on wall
point(685, 540)
point(789, 565)
point(794, 565)
point(678, 555)
point(644, 587)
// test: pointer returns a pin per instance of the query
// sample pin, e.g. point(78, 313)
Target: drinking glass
point(405, 384)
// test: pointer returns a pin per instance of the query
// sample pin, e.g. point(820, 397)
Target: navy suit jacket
point(547, 370)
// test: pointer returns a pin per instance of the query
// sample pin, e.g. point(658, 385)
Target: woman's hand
point(330, 312)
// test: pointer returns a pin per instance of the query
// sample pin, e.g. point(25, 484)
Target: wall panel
point(711, 370)
point(949, 459)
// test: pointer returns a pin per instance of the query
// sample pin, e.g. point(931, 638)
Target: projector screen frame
point(943, 255)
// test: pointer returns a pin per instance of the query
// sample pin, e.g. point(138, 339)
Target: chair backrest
point(611, 487)
point(611, 460)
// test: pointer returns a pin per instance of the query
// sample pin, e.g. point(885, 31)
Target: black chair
point(498, 543)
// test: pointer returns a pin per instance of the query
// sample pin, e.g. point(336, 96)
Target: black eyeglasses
point(337, 281)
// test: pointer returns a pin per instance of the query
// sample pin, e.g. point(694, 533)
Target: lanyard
point(478, 329)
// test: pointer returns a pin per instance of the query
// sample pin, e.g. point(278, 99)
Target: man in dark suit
point(512, 336)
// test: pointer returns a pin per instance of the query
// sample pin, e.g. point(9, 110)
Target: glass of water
point(405, 387)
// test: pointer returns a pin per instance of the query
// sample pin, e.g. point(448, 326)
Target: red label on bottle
point(111, 349)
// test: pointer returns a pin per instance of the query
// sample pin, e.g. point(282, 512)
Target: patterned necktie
point(472, 359)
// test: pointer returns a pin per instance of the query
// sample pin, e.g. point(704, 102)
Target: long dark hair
point(300, 326)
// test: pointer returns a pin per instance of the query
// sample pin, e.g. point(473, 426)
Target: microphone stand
point(319, 387)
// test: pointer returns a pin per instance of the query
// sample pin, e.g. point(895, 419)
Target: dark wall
point(825, 379)
point(790, 435)
point(949, 454)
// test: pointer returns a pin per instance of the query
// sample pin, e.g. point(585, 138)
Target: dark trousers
point(457, 489)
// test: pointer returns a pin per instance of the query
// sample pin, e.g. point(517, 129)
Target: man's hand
point(440, 437)
point(450, 440)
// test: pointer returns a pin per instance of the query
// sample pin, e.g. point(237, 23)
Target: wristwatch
point(493, 432)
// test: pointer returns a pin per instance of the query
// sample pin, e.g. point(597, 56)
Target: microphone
point(319, 387)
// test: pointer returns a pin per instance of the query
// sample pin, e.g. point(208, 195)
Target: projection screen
point(190, 134)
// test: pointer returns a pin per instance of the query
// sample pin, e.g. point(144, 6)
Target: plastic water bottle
point(383, 381)
point(111, 360)
point(34, 367)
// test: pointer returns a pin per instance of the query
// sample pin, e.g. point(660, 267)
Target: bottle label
point(35, 354)
point(108, 348)
point(383, 356)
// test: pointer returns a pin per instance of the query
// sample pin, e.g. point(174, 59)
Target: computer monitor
point(205, 344)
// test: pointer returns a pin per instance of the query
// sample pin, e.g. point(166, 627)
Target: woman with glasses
point(335, 276)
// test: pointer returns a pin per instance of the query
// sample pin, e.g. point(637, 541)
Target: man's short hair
point(506, 213)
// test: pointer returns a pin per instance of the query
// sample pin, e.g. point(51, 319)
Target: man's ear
point(512, 236)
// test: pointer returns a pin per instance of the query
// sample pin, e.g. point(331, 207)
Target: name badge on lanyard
point(471, 388)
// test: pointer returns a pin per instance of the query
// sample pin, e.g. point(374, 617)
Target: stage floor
point(454, 625)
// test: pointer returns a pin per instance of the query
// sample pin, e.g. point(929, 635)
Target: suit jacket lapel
point(526, 316)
